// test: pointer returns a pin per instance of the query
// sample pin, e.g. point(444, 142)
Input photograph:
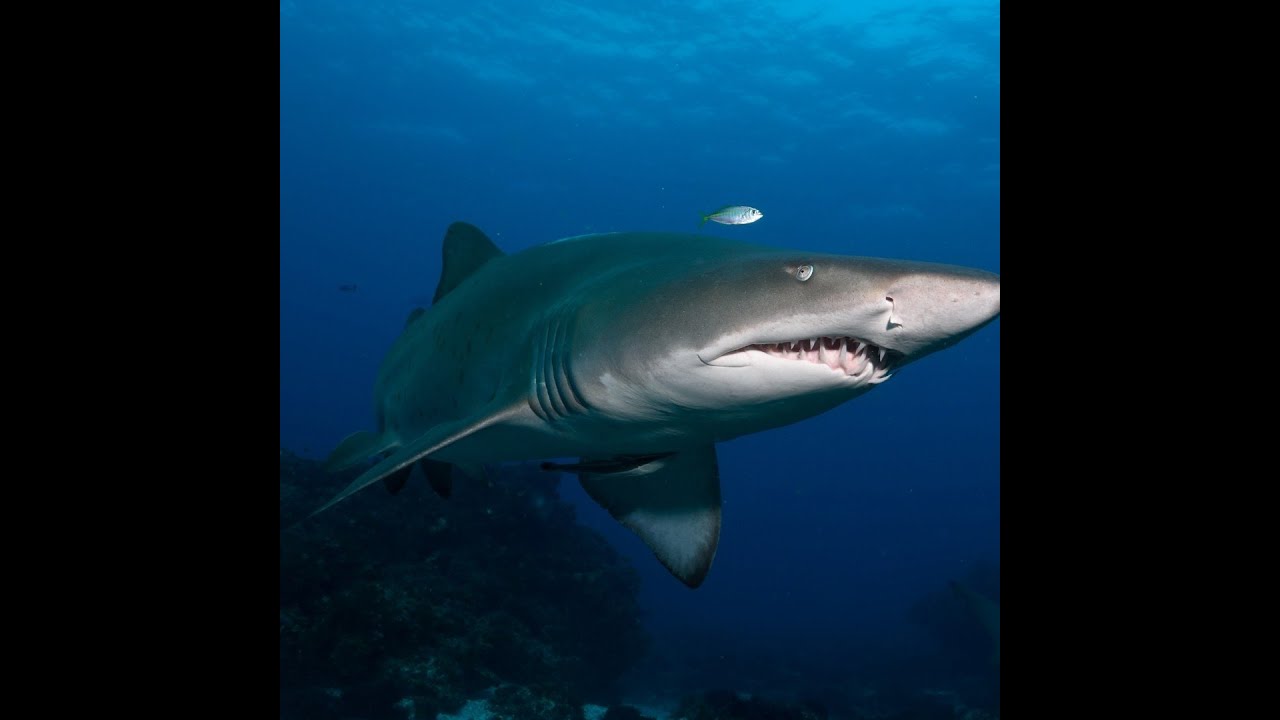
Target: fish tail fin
point(355, 449)
point(705, 218)
point(405, 455)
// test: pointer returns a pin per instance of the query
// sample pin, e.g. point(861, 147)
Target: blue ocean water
point(867, 128)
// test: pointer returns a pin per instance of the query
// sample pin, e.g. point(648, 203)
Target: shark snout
point(984, 297)
point(929, 311)
point(965, 301)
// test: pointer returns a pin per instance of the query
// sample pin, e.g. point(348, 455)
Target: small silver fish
point(733, 215)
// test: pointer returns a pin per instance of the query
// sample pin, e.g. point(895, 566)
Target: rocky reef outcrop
point(406, 606)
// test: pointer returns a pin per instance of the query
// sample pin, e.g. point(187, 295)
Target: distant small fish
point(347, 288)
point(733, 215)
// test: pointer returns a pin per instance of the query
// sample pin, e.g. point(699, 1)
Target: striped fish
point(733, 215)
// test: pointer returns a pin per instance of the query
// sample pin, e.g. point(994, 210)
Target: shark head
point(761, 339)
point(899, 310)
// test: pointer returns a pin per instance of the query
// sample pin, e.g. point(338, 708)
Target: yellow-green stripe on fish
point(733, 215)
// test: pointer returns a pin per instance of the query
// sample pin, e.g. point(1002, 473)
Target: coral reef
point(624, 712)
point(724, 705)
point(406, 606)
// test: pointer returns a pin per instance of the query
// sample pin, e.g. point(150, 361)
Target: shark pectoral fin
point(672, 503)
point(355, 449)
point(439, 476)
point(435, 439)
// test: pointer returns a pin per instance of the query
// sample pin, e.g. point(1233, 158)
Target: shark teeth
point(852, 357)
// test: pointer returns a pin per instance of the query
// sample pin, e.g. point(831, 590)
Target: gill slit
point(569, 394)
point(553, 394)
point(538, 401)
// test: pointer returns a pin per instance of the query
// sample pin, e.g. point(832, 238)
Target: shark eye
point(804, 272)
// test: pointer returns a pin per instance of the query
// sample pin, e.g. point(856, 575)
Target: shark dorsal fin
point(466, 249)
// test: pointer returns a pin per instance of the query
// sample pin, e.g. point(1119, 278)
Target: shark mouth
point(857, 359)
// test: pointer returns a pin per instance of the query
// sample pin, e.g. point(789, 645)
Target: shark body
point(637, 353)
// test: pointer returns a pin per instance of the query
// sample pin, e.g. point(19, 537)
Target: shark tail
point(355, 449)
point(396, 465)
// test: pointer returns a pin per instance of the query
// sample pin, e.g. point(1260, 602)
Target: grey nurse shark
point(636, 353)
